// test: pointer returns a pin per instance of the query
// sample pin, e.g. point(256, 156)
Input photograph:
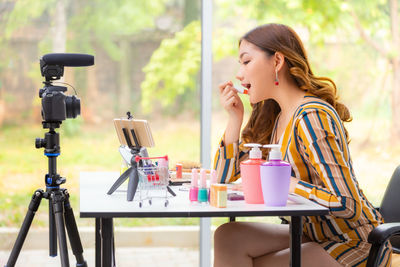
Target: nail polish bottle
point(203, 192)
point(194, 189)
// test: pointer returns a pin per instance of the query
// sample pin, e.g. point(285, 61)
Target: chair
point(391, 228)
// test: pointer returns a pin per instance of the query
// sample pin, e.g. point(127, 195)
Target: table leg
point(106, 226)
point(205, 242)
point(98, 243)
point(296, 232)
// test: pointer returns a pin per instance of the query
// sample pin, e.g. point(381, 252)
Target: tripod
point(131, 172)
point(60, 210)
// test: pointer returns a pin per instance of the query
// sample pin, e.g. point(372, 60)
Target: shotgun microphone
point(68, 59)
point(52, 65)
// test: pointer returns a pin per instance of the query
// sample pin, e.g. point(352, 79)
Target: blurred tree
point(2, 105)
point(111, 24)
point(173, 68)
point(59, 28)
point(175, 90)
point(191, 10)
point(83, 24)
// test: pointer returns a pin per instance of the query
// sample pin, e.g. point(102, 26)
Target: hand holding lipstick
point(232, 103)
point(230, 100)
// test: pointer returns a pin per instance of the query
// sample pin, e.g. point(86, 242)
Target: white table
point(95, 203)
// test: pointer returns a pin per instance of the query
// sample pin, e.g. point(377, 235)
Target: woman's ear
point(279, 60)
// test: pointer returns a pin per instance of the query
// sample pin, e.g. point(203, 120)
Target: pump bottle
point(250, 172)
point(275, 178)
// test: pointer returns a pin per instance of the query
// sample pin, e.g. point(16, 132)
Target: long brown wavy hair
point(272, 38)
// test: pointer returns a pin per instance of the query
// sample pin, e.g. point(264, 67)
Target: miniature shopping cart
point(153, 178)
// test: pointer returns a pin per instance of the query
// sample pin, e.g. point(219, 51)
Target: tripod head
point(51, 145)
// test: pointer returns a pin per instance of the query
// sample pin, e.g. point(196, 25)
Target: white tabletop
point(94, 202)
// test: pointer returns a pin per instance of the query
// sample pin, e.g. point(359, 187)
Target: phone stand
point(129, 153)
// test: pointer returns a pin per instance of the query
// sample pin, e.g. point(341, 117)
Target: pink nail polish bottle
point(194, 188)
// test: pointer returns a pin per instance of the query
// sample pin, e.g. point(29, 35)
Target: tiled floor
point(126, 257)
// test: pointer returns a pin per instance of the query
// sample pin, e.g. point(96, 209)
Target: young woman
point(300, 111)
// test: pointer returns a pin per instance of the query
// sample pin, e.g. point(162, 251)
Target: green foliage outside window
point(173, 68)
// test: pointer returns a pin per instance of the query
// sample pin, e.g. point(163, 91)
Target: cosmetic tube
point(242, 90)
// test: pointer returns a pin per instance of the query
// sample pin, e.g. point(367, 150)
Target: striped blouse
point(315, 145)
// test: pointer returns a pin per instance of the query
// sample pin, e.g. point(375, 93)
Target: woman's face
point(256, 71)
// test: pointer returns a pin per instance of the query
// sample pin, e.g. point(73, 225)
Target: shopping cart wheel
point(166, 203)
point(150, 201)
point(140, 204)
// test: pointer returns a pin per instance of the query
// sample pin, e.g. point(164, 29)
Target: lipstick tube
point(240, 89)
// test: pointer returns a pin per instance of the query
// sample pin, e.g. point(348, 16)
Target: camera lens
point(72, 106)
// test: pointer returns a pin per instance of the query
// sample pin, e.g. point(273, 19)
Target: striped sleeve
point(321, 140)
point(227, 162)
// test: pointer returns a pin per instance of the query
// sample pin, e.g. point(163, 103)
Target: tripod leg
point(132, 184)
point(52, 232)
point(33, 207)
point(119, 181)
point(72, 231)
point(57, 200)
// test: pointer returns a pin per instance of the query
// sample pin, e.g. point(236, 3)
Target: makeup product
point(250, 172)
point(242, 90)
point(213, 177)
point(219, 195)
point(213, 180)
point(235, 196)
point(163, 169)
point(178, 170)
point(194, 189)
point(203, 192)
point(275, 178)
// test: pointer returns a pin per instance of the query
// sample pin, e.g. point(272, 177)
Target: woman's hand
point(293, 183)
point(237, 187)
point(231, 102)
point(234, 106)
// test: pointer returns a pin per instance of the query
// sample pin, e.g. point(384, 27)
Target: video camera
point(56, 106)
